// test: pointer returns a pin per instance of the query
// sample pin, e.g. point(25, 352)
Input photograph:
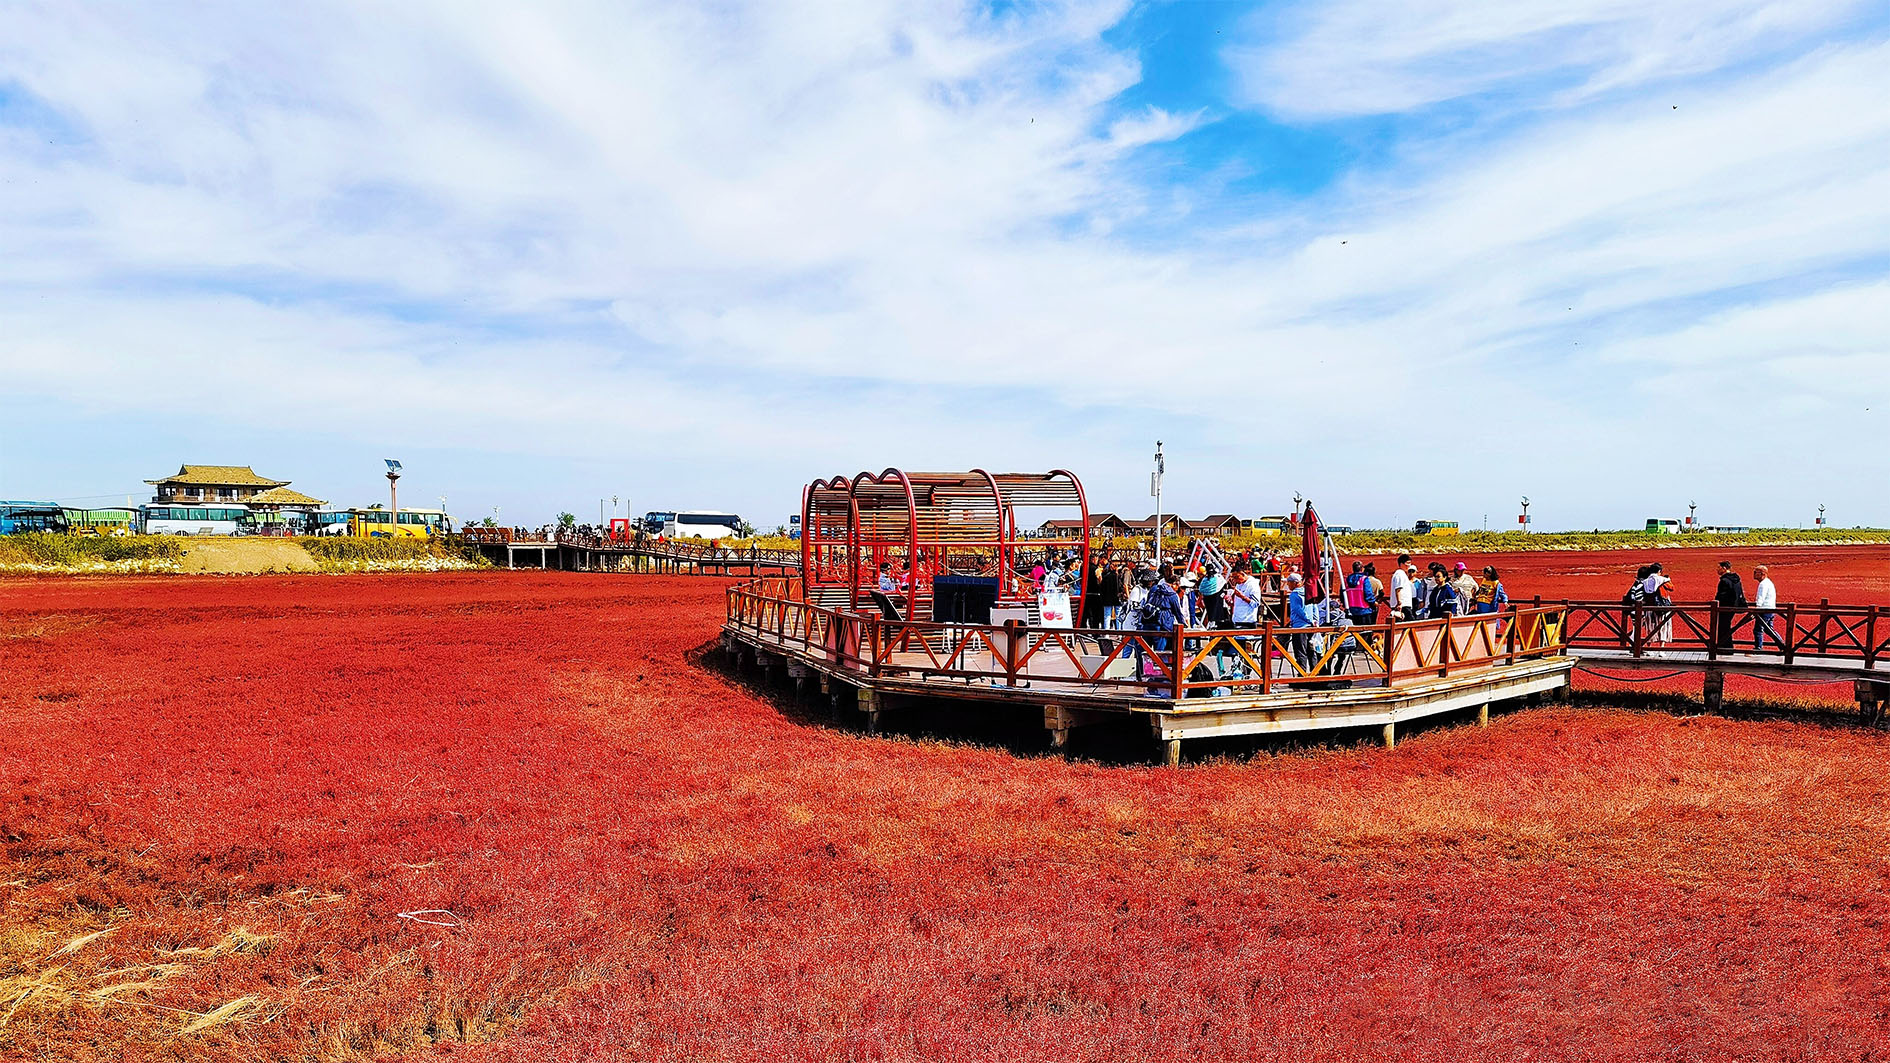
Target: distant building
point(226, 500)
point(213, 483)
point(1212, 524)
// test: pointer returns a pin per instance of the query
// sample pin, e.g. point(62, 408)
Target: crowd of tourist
point(1155, 596)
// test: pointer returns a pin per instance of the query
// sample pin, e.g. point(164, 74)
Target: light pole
point(1691, 506)
point(1155, 488)
point(1821, 514)
point(393, 496)
point(1525, 514)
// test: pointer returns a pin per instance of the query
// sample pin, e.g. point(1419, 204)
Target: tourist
point(1094, 615)
point(1374, 588)
point(1490, 596)
point(1443, 596)
point(1657, 601)
point(1136, 596)
point(1405, 588)
point(886, 584)
point(1213, 598)
point(1764, 603)
point(1731, 598)
point(1465, 586)
point(1297, 617)
point(1359, 604)
point(1190, 600)
point(1244, 597)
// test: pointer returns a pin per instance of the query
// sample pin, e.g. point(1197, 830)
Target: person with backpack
point(1161, 612)
point(1731, 599)
point(1360, 606)
point(1213, 597)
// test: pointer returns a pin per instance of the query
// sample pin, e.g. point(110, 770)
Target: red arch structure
point(941, 523)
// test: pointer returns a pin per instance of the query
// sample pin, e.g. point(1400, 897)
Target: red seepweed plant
point(513, 816)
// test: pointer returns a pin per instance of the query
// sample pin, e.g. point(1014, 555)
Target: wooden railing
point(691, 553)
point(1821, 632)
point(1178, 664)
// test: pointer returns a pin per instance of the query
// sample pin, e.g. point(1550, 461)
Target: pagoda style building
point(269, 506)
point(213, 483)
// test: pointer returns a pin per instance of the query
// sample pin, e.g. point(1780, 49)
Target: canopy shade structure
point(929, 524)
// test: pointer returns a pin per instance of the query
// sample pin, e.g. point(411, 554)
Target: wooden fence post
point(1180, 658)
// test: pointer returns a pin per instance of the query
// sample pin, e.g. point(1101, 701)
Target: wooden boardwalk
point(1793, 643)
point(1187, 684)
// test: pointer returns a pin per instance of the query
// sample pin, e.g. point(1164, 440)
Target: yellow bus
point(373, 522)
point(1436, 527)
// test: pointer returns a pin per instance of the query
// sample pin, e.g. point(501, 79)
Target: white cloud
point(1347, 57)
point(876, 233)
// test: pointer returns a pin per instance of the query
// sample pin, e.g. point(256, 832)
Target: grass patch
point(347, 551)
point(53, 549)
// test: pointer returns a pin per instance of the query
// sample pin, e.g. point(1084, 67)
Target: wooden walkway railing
point(1177, 664)
point(1845, 637)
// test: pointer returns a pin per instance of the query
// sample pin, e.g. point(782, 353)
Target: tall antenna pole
point(1155, 488)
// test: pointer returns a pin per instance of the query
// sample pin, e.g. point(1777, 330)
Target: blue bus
point(18, 516)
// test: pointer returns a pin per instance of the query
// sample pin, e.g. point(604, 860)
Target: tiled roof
point(218, 476)
point(282, 496)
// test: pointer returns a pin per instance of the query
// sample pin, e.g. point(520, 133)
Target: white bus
point(193, 520)
point(692, 524)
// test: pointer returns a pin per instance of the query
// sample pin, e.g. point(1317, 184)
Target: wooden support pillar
point(1713, 690)
point(870, 705)
point(1483, 714)
point(1391, 736)
point(1060, 721)
point(1871, 696)
point(1171, 752)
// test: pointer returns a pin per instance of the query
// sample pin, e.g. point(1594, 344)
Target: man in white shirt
point(1403, 587)
point(886, 584)
point(1244, 597)
point(1764, 602)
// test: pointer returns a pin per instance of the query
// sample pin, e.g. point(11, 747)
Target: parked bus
point(1657, 526)
point(1430, 527)
point(374, 523)
point(193, 520)
point(692, 524)
point(101, 521)
point(21, 516)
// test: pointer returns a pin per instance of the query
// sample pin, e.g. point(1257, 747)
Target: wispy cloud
point(854, 234)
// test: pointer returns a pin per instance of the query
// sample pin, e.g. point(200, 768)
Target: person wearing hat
point(1190, 600)
point(1297, 617)
point(1466, 587)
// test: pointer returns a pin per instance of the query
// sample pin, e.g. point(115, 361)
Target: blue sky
point(1412, 259)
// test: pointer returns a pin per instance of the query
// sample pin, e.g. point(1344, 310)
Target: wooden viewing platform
point(1184, 684)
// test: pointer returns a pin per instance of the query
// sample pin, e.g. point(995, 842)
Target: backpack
point(1355, 592)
